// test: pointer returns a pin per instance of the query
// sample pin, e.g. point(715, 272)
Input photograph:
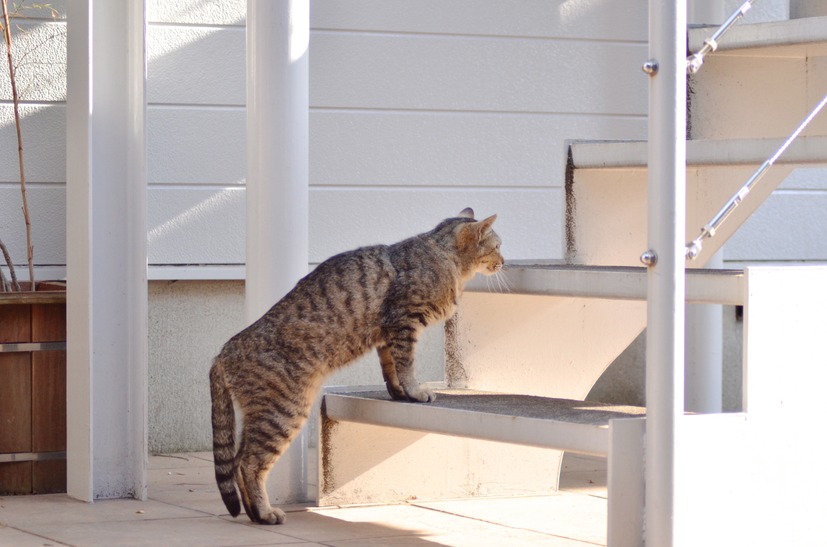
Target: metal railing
point(696, 60)
point(693, 248)
point(693, 65)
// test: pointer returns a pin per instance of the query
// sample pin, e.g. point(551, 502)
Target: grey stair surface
point(554, 278)
point(578, 426)
point(634, 154)
point(795, 37)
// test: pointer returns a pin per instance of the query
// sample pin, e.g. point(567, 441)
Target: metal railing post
point(666, 262)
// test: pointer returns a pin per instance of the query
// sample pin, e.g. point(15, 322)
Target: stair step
point(723, 152)
point(792, 38)
point(577, 426)
point(552, 278)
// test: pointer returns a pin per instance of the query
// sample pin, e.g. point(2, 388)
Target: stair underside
point(792, 38)
point(711, 152)
point(562, 424)
point(552, 278)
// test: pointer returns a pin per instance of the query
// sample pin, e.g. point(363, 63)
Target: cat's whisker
point(502, 282)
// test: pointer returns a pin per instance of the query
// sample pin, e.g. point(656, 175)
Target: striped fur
point(373, 297)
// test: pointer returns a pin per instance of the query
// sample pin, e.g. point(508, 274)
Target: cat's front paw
point(396, 392)
point(421, 394)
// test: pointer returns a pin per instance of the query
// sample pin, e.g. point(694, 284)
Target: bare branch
point(14, 284)
point(16, 101)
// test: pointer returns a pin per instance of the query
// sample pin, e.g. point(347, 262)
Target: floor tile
point(177, 461)
point(203, 531)
point(189, 487)
point(343, 524)
point(565, 515)
point(17, 538)
point(584, 475)
point(185, 509)
point(26, 511)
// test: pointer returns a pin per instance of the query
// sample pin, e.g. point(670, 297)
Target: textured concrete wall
point(188, 323)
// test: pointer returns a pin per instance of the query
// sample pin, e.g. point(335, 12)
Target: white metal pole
point(106, 252)
point(278, 34)
point(666, 233)
point(704, 353)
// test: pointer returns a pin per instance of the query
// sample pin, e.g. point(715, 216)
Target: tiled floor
point(184, 509)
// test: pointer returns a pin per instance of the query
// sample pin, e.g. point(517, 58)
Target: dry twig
point(16, 101)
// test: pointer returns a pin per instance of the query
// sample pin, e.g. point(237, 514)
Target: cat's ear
point(466, 213)
point(484, 226)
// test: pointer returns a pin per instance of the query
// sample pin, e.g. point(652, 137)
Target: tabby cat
point(373, 297)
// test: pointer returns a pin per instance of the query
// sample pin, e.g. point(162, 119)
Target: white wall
point(417, 110)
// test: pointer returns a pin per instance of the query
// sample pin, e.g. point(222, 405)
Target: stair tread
point(556, 278)
point(634, 154)
point(794, 37)
point(565, 424)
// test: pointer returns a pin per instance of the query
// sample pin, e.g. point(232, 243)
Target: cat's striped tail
point(223, 439)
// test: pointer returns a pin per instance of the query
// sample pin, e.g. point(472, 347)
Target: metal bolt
point(649, 258)
point(650, 67)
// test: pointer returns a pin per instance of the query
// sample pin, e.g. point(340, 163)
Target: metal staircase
point(519, 364)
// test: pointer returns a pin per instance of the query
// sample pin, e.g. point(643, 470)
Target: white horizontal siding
point(449, 149)
point(592, 19)
point(789, 226)
point(197, 12)
point(204, 145)
point(346, 218)
point(47, 211)
point(197, 145)
point(428, 72)
point(39, 52)
point(195, 65)
point(417, 110)
point(44, 143)
point(468, 102)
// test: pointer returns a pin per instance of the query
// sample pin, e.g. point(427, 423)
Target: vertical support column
point(106, 250)
point(704, 353)
point(666, 227)
point(277, 178)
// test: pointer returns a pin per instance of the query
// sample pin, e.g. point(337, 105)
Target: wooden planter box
point(33, 391)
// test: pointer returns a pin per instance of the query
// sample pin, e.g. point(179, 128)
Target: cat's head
point(478, 244)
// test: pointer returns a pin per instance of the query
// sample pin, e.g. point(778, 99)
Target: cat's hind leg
point(389, 374)
point(257, 453)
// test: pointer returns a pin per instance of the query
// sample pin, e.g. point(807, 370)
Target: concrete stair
point(521, 356)
point(557, 278)
point(608, 181)
point(761, 82)
point(563, 424)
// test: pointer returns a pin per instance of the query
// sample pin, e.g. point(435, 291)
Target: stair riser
point(608, 218)
point(364, 463)
point(758, 93)
point(545, 346)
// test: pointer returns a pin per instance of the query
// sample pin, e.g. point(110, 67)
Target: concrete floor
point(184, 508)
